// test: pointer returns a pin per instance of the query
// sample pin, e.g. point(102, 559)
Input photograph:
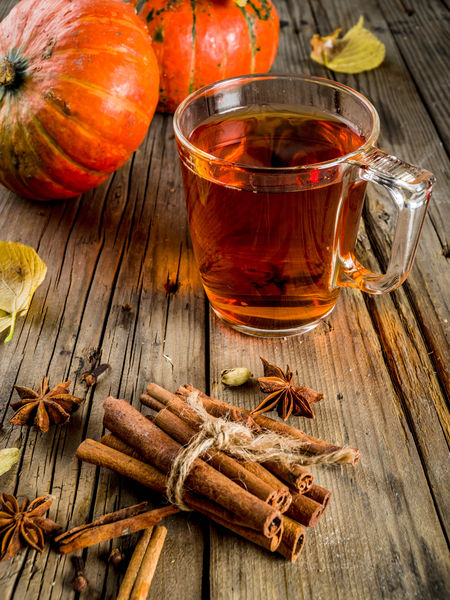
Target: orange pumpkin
point(78, 89)
point(198, 42)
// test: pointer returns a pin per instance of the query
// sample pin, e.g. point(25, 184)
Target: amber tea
point(269, 260)
point(275, 168)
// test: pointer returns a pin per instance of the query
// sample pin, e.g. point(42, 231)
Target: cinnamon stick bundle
point(306, 511)
point(157, 397)
point(145, 449)
point(219, 408)
point(183, 433)
point(298, 477)
point(161, 450)
point(107, 456)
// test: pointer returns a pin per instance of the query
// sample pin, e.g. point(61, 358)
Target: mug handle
point(410, 189)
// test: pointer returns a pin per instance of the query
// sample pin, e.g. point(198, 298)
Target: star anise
point(45, 406)
point(287, 398)
point(24, 525)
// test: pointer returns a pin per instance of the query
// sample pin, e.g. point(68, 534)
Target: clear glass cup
point(275, 169)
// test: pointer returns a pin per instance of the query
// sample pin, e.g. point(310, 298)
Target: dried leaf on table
point(21, 272)
point(358, 50)
point(8, 457)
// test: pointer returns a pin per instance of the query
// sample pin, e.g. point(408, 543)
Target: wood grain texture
point(115, 245)
point(408, 132)
point(382, 362)
point(382, 394)
point(429, 60)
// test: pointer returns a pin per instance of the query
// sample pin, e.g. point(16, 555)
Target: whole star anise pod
point(287, 398)
point(45, 406)
point(24, 525)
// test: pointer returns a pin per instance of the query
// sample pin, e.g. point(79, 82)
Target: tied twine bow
point(238, 440)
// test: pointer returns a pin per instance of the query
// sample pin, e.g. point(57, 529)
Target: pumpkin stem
point(7, 72)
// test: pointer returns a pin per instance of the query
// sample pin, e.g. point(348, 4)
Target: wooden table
point(380, 361)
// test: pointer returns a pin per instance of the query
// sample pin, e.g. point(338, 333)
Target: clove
point(116, 557)
point(80, 581)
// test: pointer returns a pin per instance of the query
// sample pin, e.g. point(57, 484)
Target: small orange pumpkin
point(198, 42)
point(78, 89)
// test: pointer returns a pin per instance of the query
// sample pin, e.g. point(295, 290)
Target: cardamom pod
point(235, 377)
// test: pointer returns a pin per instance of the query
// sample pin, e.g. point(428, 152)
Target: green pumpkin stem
point(7, 73)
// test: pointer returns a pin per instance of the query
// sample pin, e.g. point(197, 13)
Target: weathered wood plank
point(117, 244)
point(407, 132)
point(427, 329)
point(379, 521)
point(415, 382)
point(428, 58)
point(6, 6)
point(375, 540)
point(121, 243)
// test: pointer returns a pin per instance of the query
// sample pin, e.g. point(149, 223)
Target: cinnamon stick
point(150, 560)
point(157, 395)
point(161, 450)
point(96, 453)
point(134, 565)
point(293, 539)
point(305, 510)
point(113, 517)
point(313, 445)
point(103, 456)
point(183, 433)
point(296, 476)
point(73, 541)
point(319, 494)
point(272, 544)
point(275, 484)
point(109, 439)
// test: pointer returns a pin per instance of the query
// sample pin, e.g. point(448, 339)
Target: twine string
point(239, 441)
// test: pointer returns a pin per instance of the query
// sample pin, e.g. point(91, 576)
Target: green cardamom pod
point(236, 376)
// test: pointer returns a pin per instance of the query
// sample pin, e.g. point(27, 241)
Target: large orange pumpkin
point(78, 89)
point(198, 42)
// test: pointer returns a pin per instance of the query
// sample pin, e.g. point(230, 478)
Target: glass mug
point(275, 169)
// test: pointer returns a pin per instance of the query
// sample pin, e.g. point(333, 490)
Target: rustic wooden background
point(381, 361)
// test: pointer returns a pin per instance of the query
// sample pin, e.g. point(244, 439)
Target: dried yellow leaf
point(8, 457)
point(359, 50)
point(21, 272)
